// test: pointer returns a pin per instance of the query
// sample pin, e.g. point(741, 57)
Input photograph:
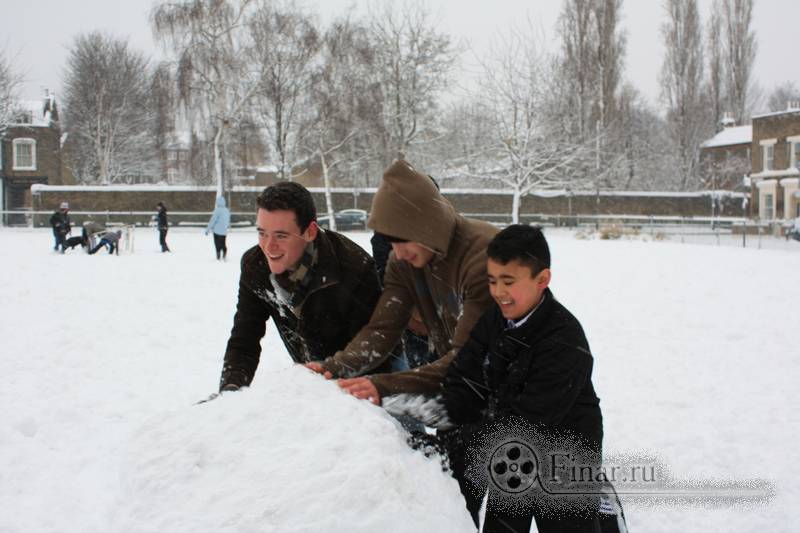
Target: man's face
point(514, 289)
point(418, 255)
point(281, 240)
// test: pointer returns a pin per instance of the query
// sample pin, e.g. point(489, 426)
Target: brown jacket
point(451, 292)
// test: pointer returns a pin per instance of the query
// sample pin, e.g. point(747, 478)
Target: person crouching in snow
point(91, 229)
point(318, 286)
point(219, 223)
point(109, 239)
point(527, 359)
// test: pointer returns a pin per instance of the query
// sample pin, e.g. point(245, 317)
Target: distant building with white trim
point(30, 153)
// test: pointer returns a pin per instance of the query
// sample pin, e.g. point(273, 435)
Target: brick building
point(30, 153)
point(776, 164)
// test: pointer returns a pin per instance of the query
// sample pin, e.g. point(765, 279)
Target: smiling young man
point(437, 265)
point(318, 286)
point(527, 360)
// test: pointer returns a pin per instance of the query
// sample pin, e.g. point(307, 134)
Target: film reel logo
point(513, 467)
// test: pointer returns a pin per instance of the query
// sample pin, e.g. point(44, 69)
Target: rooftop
point(730, 137)
point(34, 112)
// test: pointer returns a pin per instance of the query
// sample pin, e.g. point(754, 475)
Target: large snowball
point(291, 454)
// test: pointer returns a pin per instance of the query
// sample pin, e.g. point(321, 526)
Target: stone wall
point(193, 204)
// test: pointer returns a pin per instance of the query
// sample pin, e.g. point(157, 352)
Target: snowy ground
point(102, 359)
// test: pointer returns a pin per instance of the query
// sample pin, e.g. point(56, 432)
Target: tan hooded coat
point(451, 292)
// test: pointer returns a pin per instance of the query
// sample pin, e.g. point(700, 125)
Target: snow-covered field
point(103, 358)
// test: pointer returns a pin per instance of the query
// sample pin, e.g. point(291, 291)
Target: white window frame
point(26, 141)
point(769, 205)
point(767, 189)
point(793, 143)
point(768, 145)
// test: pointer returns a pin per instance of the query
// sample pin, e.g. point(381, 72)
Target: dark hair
point(525, 244)
point(290, 196)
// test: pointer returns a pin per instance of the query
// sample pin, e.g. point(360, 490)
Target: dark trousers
point(111, 247)
point(502, 523)
point(61, 241)
point(496, 521)
point(417, 350)
point(219, 244)
point(162, 239)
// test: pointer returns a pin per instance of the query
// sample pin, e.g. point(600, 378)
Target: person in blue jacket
point(219, 224)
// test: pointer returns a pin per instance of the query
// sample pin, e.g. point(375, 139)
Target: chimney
point(727, 120)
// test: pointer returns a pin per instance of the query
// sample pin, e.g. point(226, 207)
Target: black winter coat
point(61, 223)
point(540, 371)
point(340, 300)
point(161, 217)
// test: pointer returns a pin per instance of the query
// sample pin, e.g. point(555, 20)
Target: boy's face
point(514, 288)
point(281, 240)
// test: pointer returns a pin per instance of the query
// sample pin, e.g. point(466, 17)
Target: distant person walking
point(218, 225)
point(61, 226)
point(163, 226)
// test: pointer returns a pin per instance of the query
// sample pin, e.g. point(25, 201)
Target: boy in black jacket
point(527, 362)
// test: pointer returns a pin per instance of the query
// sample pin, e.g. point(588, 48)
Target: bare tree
point(578, 44)
point(10, 81)
point(681, 84)
point(216, 79)
point(108, 113)
point(456, 158)
point(526, 151)
point(342, 99)
point(716, 56)
point(286, 43)
point(646, 164)
point(609, 55)
point(740, 55)
point(587, 100)
point(782, 95)
point(163, 96)
point(413, 61)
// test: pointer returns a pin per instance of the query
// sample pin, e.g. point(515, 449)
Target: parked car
point(346, 219)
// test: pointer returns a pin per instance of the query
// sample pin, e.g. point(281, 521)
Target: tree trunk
point(515, 207)
point(328, 198)
point(218, 161)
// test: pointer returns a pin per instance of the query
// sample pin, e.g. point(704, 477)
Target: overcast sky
point(37, 33)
